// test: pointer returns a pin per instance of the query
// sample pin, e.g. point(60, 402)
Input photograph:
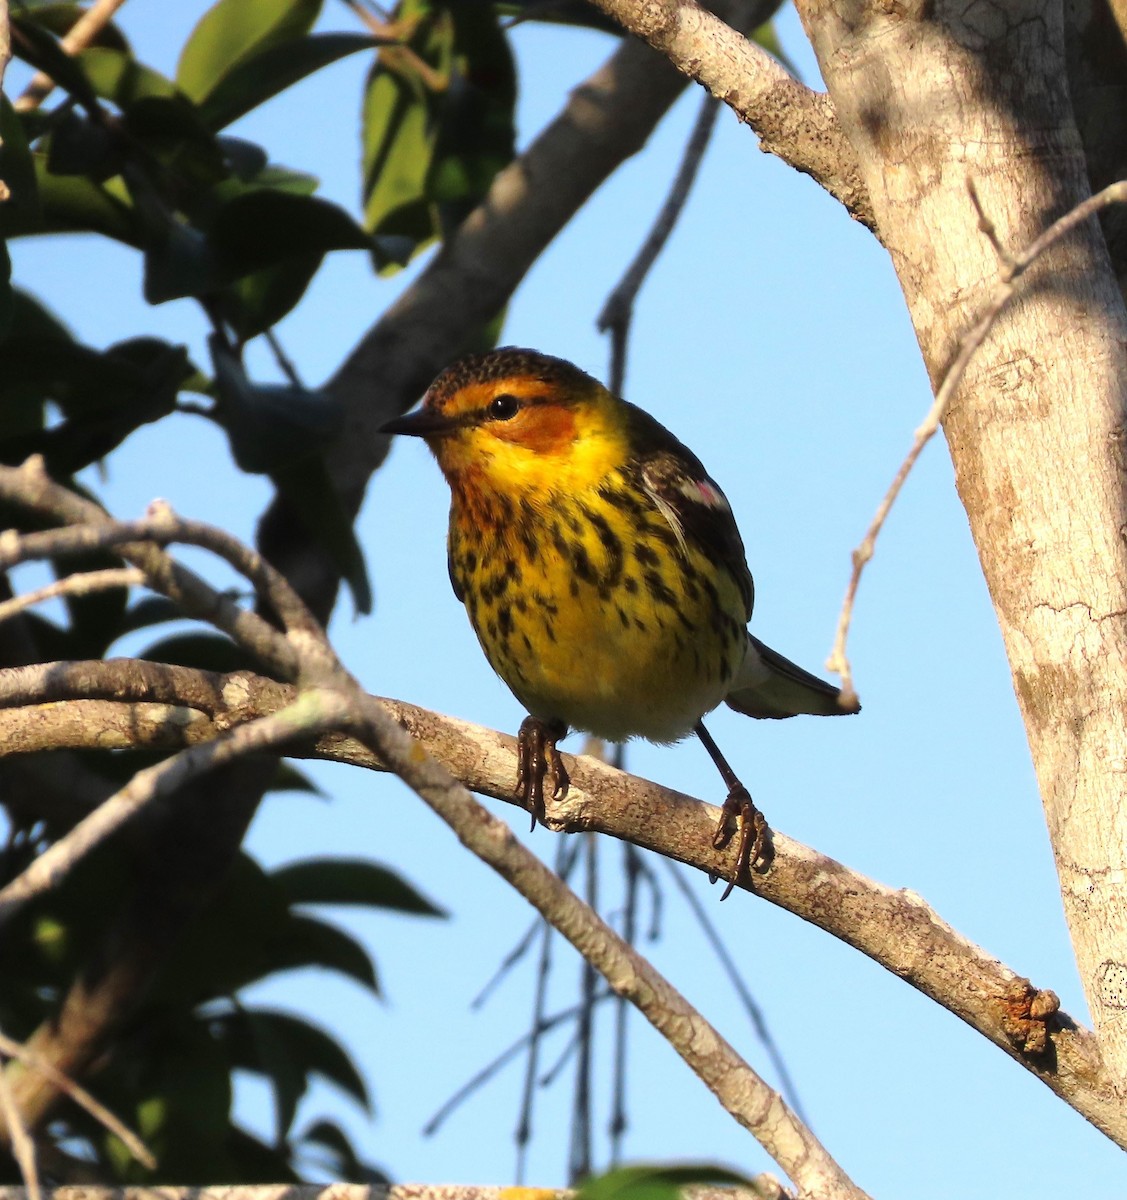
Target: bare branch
point(766, 1188)
point(84, 584)
point(23, 1148)
point(1009, 279)
point(741, 1091)
point(618, 310)
point(81, 1097)
point(78, 37)
point(791, 121)
point(163, 527)
point(29, 487)
point(120, 704)
point(310, 713)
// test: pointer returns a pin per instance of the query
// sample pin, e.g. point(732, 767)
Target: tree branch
point(117, 704)
point(1013, 268)
point(84, 584)
point(791, 120)
point(29, 487)
point(309, 713)
point(766, 1188)
point(89, 24)
point(81, 1097)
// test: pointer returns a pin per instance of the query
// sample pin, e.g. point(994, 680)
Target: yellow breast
point(592, 612)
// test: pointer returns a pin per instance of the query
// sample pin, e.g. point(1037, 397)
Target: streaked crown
point(518, 418)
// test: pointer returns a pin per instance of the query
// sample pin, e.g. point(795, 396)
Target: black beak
point(425, 422)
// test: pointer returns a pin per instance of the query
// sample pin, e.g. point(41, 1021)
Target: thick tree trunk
point(931, 97)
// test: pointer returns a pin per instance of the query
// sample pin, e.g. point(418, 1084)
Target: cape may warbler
point(602, 570)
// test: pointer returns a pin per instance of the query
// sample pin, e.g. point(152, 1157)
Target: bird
point(603, 572)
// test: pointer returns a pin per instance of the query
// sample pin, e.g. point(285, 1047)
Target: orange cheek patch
point(546, 429)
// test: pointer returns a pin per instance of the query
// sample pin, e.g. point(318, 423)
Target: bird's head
point(515, 418)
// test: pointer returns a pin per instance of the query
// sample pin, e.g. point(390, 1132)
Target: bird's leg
point(751, 822)
point(537, 756)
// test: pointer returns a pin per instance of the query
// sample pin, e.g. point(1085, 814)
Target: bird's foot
point(537, 757)
point(754, 846)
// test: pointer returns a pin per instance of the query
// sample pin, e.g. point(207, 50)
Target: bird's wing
point(770, 685)
point(689, 499)
point(458, 591)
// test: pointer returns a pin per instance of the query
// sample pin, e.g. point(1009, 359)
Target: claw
point(753, 846)
point(537, 757)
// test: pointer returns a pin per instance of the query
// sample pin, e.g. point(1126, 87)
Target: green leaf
point(59, 19)
point(254, 1043)
point(169, 127)
point(477, 135)
point(248, 933)
point(351, 881)
point(79, 146)
point(256, 302)
point(231, 31)
point(117, 76)
point(246, 159)
point(313, 943)
point(71, 204)
point(271, 70)
point(185, 1085)
point(7, 297)
point(269, 425)
point(178, 262)
point(275, 425)
point(657, 1182)
point(287, 778)
point(252, 1161)
point(268, 1041)
point(17, 165)
point(399, 141)
point(39, 49)
point(308, 489)
point(343, 1161)
point(433, 143)
point(104, 395)
point(264, 227)
point(148, 611)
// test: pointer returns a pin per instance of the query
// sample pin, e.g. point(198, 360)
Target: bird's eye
point(503, 407)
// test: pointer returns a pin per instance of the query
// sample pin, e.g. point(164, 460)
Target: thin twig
point(739, 1089)
point(163, 527)
point(927, 952)
point(81, 1097)
point(507, 964)
point(77, 38)
point(491, 1068)
point(29, 487)
point(579, 1159)
point(619, 1120)
point(312, 712)
point(618, 310)
point(754, 1012)
point(567, 854)
point(19, 1139)
point(285, 363)
point(1012, 270)
point(74, 585)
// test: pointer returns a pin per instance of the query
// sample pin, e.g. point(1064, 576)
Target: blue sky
point(772, 338)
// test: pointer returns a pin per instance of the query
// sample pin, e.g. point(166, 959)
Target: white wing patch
point(669, 513)
point(697, 491)
point(705, 492)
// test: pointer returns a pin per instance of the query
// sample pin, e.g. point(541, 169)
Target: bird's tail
point(769, 685)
